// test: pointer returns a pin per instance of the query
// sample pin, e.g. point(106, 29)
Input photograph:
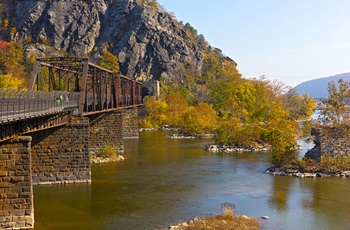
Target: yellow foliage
point(6, 24)
point(107, 150)
point(110, 61)
point(176, 108)
point(152, 3)
point(156, 113)
point(189, 34)
point(199, 119)
point(229, 69)
point(207, 116)
point(145, 123)
point(13, 31)
point(7, 81)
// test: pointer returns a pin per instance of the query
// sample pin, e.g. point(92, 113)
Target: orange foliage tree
point(176, 108)
point(199, 119)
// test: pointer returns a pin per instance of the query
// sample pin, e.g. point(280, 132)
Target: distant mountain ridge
point(317, 88)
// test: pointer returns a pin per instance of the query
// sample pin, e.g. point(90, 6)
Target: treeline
point(216, 99)
point(15, 67)
point(240, 111)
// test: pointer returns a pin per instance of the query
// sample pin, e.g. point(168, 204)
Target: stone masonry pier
point(60, 155)
point(16, 192)
point(55, 155)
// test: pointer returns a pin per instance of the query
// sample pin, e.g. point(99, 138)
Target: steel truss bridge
point(60, 87)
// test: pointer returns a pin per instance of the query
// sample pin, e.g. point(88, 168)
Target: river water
point(165, 181)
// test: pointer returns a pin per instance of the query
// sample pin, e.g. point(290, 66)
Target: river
point(165, 181)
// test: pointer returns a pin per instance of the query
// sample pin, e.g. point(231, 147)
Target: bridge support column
point(130, 122)
point(61, 155)
point(16, 193)
point(105, 129)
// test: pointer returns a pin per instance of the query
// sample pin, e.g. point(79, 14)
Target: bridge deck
point(61, 86)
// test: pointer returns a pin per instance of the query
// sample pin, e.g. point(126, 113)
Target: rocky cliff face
point(69, 25)
point(148, 41)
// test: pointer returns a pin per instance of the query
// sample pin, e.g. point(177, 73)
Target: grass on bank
point(328, 164)
point(228, 220)
point(105, 154)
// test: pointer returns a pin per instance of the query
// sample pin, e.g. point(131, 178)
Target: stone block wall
point(61, 155)
point(130, 123)
point(106, 129)
point(334, 143)
point(16, 193)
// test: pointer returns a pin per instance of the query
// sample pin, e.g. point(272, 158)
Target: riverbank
point(163, 128)
point(297, 172)
point(178, 135)
point(227, 220)
point(219, 222)
point(190, 136)
point(236, 148)
point(104, 159)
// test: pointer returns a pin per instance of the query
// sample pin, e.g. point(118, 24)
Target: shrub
point(333, 164)
point(145, 123)
point(107, 151)
point(228, 211)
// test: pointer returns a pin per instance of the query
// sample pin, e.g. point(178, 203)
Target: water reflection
point(280, 188)
point(165, 181)
point(326, 199)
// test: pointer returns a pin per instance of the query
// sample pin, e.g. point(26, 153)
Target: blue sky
point(289, 40)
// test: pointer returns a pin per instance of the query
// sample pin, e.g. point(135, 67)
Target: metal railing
point(18, 105)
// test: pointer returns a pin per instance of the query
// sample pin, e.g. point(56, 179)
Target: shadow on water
point(164, 181)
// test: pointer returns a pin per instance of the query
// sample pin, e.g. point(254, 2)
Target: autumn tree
point(211, 68)
point(7, 81)
point(176, 108)
point(151, 3)
point(281, 135)
point(252, 111)
point(300, 107)
point(190, 31)
point(335, 110)
point(156, 113)
point(199, 119)
point(12, 63)
point(110, 61)
point(222, 96)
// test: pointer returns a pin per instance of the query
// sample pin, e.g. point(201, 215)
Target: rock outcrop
point(148, 41)
point(73, 26)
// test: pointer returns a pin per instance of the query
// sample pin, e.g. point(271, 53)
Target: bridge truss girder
point(100, 89)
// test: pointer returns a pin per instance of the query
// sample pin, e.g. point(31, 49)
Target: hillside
point(317, 88)
point(149, 42)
